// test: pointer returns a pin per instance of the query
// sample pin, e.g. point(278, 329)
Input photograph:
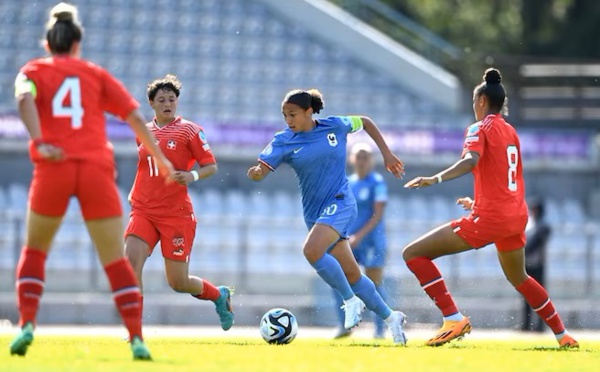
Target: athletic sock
point(537, 297)
point(379, 323)
point(209, 291)
point(365, 290)
point(433, 284)
point(30, 283)
point(126, 294)
point(329, 269)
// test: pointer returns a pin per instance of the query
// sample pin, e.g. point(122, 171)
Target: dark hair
point(63, 28)
point(537, 204)
point(306, 99)
point(492, 88)
point(169, 83)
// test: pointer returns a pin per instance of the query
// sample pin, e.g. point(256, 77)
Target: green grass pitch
point(89, 354)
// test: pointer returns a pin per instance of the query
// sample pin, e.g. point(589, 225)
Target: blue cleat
point(22, 341)
point(223, 307)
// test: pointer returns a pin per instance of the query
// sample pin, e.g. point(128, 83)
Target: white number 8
point(512, 154)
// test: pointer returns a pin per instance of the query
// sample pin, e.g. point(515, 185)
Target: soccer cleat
point(223, 307)
point(139, 349)
point(396, 328)
point(353, 309)
point(342, 333)
point(568, 342)
point(451, 330)
point(22, 341)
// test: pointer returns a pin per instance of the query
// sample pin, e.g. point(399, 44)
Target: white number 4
point(512, 154)
point(69, 87)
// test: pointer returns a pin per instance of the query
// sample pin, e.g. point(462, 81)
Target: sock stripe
point(543, 305)
point(30, 280)
point(552, 316)
point(433, 282)
point(126, 290)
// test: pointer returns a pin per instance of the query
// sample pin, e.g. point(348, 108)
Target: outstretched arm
point(461, 167)
point(391, 161)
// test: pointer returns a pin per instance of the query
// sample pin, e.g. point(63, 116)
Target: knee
point(312, 253)
point(408, 253)
point(178, 284)
point(516, 279)
point(353, 275)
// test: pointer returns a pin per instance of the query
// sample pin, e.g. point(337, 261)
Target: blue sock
point(379, 323)
point(341, 316)
point(331, 272)
point(365, 290)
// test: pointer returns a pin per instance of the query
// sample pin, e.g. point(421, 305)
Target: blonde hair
point(63, 12)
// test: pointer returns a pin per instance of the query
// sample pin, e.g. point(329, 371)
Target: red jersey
point(71, 96)
point(183, 143)
point(499, 185)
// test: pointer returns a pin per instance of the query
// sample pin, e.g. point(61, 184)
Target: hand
point(255, 173)
point(166, 168)
point(183, 178)
point(466, 202)
point(393, 165)
point(354, 241)
point(419, 182)
point(50, 152)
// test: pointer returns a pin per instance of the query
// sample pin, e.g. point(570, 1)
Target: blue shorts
point(339, 215)
point(371, 251)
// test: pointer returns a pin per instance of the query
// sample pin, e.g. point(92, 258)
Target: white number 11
point(513, 160)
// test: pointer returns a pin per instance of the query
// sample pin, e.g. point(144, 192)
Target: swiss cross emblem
point(171, 145)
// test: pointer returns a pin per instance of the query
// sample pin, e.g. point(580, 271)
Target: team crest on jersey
point(172, 145)
point(178, 242)
point(333, 142)
point(364, 193)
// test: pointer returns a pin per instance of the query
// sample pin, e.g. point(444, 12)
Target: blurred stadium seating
point(228, 54)
point(261, 233)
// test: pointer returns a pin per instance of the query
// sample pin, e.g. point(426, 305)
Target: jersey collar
point(176, 120)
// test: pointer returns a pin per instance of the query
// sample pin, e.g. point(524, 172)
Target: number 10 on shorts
point(153, 166)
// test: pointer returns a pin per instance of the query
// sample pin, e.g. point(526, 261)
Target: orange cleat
point(568, 342)
point(450, 331)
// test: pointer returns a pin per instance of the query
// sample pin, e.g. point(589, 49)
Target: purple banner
point(538, 145)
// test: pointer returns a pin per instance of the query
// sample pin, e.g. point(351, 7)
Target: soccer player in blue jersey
point(367, 233)
point(316, 150)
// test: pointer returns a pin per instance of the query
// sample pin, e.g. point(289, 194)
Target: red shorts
point(479, 231)
point(92, 183)
point(176, 234)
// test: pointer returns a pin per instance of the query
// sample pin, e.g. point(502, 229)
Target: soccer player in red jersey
point(492, 151)
point(163, 213)
point(61, 100)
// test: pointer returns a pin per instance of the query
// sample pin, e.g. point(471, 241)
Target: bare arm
point(205, 171)
point(30, 117)
point(392, 163)
point(460, 168)
point(258, 172)
point(138, 124)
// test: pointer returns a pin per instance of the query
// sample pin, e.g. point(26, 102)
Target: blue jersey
point(368, 191)
point(319, 159)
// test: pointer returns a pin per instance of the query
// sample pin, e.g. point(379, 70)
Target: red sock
point(30, 283)
point(537, 297)
point(209, 291)
point(127, 296)
point(433, 284)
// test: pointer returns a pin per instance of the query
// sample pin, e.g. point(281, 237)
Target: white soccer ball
point(278, 326)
